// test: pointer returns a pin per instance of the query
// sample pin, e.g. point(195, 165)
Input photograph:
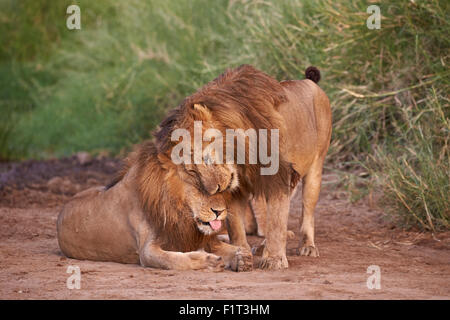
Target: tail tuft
point(313, 74)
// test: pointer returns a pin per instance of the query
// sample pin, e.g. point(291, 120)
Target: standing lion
point(246, 98)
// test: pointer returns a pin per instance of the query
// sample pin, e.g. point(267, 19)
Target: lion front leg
point(235, 223)
point(259, 208)
point(274, 251)
point(236, 258)
point(152, 255)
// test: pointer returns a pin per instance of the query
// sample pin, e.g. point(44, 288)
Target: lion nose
point(217, 212)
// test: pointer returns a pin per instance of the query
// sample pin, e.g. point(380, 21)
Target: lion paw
point(203, 260)
point(259, 249)
point(214, 263)
point(311, 251)
point(273, 263)
point(242, 261)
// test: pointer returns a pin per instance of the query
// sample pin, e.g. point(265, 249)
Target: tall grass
point(108, 85)
point(115, 78)
point(414, 169)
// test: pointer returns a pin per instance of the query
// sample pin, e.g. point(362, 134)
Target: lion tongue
point(215, 224)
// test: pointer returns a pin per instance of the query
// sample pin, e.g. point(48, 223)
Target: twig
point(392, 93)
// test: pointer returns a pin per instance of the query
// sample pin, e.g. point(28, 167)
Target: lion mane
point(162, 196)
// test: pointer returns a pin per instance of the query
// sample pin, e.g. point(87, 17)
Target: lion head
point(180, 209)
point(214, 178)
point(239, 99)
point(208, 210)
point(194, 149)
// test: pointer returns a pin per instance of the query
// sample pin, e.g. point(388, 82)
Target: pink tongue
point(215, 224)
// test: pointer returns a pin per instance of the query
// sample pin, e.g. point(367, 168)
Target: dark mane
point(163, 199)
point(238, 98)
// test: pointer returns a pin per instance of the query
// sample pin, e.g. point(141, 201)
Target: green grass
point(414, 169)
point(105, 87)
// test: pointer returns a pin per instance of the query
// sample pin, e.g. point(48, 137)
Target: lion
point(155, 214)
point(244, 98)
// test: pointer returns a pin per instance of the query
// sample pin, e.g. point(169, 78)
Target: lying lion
point(155, 215)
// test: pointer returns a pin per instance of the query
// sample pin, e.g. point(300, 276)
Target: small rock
point(84, 158)
point(54, 184)
point(327, 282)
point(62, 185)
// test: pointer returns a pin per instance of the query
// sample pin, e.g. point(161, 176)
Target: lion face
point(209, 211)
point(214, 178)
point(214, 174)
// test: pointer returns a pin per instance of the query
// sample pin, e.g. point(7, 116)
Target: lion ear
point(203, 110)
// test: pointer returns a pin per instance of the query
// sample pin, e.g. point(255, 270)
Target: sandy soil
point(350, 237)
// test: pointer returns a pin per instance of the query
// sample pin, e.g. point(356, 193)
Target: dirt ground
point(350, 238)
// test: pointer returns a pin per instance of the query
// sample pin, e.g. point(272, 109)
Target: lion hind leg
point(310, 196)
point(153, 256)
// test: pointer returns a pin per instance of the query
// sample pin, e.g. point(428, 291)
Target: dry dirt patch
point(350, 238)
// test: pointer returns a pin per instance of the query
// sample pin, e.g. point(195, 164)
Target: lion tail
point(313, 74)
